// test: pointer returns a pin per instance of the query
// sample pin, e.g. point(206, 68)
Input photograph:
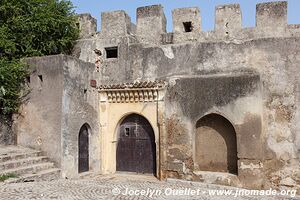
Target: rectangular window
point(40, 77)
point(188, 26)
point(28, 79)
point(111, 52)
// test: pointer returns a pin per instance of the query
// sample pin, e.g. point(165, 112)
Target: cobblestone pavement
point(109, 187)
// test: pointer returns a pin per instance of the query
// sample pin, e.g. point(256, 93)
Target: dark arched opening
point(136, 149)
point(216, 145)
point(83, 149)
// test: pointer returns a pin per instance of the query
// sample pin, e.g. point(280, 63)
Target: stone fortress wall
point(265, 58)
point(246, 78)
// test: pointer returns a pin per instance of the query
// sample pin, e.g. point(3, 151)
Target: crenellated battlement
point(87, 25)
point(271, 21)
point(228, 17)
point(116, 23)
point(184, 17)
point(151, 23)
point(272, 14)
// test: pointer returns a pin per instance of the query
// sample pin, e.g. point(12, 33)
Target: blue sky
point(207, 8)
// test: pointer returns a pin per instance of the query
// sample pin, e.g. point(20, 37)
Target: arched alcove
point(215, 145)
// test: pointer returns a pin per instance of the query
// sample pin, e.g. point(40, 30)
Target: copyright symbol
point(116, 191)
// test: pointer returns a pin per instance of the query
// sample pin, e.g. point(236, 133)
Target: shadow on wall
point(216, 145)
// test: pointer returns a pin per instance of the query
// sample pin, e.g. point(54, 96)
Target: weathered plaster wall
point(59, 103)
point(276, 60)
point(79, 106)
point(237, 97)
point(87, 47)
point(39, 123)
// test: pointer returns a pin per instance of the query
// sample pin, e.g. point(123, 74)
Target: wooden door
point(136, 151)
point(83, 144)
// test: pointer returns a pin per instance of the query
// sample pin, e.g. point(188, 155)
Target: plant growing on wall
point(30, 28)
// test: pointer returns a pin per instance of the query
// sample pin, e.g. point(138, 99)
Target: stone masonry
point(223, 104)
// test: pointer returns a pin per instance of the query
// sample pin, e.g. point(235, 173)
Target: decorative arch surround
point(121, 100)
point(215, 145)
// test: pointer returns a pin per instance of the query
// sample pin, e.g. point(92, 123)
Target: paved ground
point(109, 187)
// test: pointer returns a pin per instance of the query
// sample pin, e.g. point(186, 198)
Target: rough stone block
point(151, 23)
point(87, 25)
point(272, 14)
point(228, 18)
point(251, 173)
point(175, 166)
point(115, 23)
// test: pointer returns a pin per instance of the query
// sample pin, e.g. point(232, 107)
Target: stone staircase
point(28, 164)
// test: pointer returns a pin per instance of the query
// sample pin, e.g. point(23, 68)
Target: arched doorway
point(215, 145)
point(136, 149)
point(83, 149)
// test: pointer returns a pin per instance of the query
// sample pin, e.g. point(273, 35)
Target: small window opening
point(40, 77)
point(84, 91)
point(111, 52)
point(28, 79)
point(127, 131)
point(187, 26)
point(78, 25)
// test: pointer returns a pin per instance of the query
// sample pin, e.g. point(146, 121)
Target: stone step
point(28, 169)
point(44, 175)
point(22, 162)
point(19, 155)
point(88, 174)
point(28, 164)
point(219, 178)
